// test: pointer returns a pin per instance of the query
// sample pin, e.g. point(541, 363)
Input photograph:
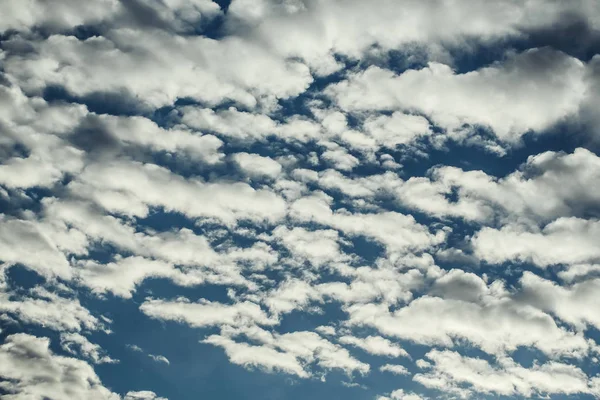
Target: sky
point(292, 199)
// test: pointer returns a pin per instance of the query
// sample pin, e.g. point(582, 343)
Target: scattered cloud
point(313, 189)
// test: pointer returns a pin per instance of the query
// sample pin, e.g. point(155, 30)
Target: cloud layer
point(386, 200)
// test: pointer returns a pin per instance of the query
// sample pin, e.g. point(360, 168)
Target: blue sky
point(283, 199)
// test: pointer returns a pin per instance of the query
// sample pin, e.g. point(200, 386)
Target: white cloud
point(143, 395)
point(160, 359)
point(257, 166)
point(394, 369)
point(264, 357)
point(574, 272)
point(205, 313)
point(291, 353)
point(246, 126)
point(22, 15)
point(65, 14)
point(400, 394)
point(76, 343)
point(22, 242)
point(451, 371)
point(76, 181)
point(492, 320)
point(399, 128)
point(49, 310)
point(75, 226)
point(121, 277)
point(326, 330)
point(319, 247)
point(339, 158)
point(144, 185)
point(351, 27)
point(563, 241)
point(290, 295)
point(30, 370)
point(385, 284)
point(511, 98)
point(574, 304)
point(376, 345)
point(172, 67)
point(398, 232)
point(548, 185)
point(144, 132)
point(134, 348)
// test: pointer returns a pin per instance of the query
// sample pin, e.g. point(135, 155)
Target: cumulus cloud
point(400, 394)
point(398, 232)
point(143, 187)
point(450, 372)
point(289, 353)
point(205, 313)
point(498, 322)
point(563, 241)
point(454, 100)
point(22, 242)
point(143, 395)
point(329, 28)
point(234, 124)
point(179, 66)
point(547, 186)
point(394, 369)
point(63, 14)
point(31, 370)
point(257, 166)
point(375, 345)
point(302, 166)
point(50, 310)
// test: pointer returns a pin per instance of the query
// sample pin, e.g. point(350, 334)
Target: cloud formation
point(396, 200)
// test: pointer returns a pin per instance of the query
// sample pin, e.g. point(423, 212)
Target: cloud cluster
point(358, 181)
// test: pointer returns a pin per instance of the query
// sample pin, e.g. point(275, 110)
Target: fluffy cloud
point(172, 66)
point(564, 241)
point(398, 232)
point(266, 358)
point(22, 242)
point(143, 395)
point(257, 166)
point(400, 394)
point(394, 369)
point(245, 126)
point(143, 186)
point(450, 371)
point(30, 370)
point(574, 305)
point(547, 186)
point(399, 128)
point(488, 317)
point(484, 97)
point(351, 27)
point(319, 247)
point(289, 352)
point(66, 14)
point(50, 310)
point(205, 313)
point(375, 345)
point(22, 15)
point(295, 155)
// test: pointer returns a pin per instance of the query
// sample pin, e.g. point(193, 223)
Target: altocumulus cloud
point(280, 199)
